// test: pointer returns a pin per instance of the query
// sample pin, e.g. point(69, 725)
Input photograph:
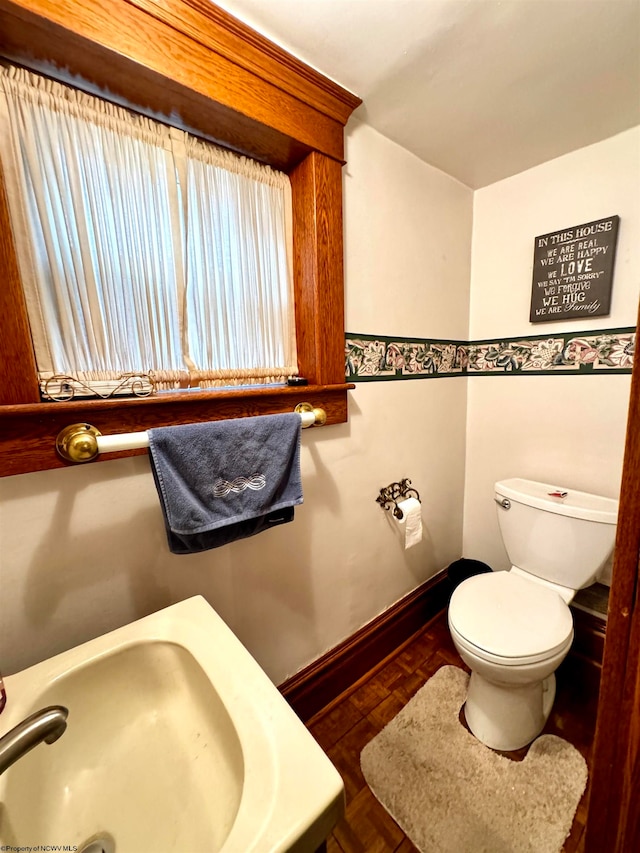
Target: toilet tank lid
point(559, 499)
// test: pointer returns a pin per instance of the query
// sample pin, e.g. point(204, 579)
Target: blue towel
point(226, 480)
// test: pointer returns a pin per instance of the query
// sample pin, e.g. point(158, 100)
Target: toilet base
point(508, 717)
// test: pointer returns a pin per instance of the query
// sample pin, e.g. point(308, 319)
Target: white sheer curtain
point(238, 282)
point(141, 249)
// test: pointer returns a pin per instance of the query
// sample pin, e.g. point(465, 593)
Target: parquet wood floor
point(348, 723)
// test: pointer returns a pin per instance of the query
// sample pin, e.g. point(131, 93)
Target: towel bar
point(83, 442)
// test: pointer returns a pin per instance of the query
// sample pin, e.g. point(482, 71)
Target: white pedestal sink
point(176, 742)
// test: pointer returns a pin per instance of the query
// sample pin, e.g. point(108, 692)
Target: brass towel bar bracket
point(84, 443)
point(391, 494)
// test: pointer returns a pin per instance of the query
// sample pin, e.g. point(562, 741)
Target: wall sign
point(573, 271)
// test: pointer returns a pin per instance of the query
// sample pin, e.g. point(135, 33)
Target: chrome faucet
point(46, 725)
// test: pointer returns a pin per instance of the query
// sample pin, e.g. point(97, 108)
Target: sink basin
point(176, 741)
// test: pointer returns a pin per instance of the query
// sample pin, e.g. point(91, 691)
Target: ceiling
point(482, 89)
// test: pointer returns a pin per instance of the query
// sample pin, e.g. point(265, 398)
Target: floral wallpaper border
point(377, 357)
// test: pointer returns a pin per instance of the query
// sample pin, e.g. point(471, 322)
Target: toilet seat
point(505, 618)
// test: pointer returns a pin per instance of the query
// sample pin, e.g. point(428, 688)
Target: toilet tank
point(555, 533)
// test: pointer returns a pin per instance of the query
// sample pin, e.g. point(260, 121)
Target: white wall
point(83, 550)
point(407, 242)
point(566, 430)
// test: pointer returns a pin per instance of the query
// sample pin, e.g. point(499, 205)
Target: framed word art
point(573, 271)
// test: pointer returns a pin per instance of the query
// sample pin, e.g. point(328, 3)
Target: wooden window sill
point(29, 430)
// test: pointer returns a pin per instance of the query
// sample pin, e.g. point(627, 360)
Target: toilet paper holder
point(394, 492)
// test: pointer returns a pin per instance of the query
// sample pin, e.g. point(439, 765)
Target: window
point(145, 253)
point(228, 84)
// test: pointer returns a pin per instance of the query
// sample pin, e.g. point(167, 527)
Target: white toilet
point(513, 629)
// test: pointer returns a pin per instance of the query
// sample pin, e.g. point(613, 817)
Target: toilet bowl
point(512, 634)
point(514, 628)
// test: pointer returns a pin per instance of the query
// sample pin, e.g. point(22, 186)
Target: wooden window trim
point(232, 86)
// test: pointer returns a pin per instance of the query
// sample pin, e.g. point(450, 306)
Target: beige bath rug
point(451, 794)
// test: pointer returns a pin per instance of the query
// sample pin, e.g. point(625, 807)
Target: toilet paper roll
point(411, 521)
